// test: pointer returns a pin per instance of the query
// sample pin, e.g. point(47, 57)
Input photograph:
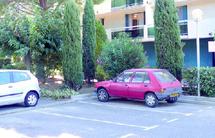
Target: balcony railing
point(144, 31)
point(117, 4)
point(132, 31)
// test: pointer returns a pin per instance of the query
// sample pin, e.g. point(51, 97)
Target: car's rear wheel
point(151, 100)
point(102, 95)
point(31, 99)
point(172, 100)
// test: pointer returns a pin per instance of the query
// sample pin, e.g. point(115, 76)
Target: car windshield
point(164, 76)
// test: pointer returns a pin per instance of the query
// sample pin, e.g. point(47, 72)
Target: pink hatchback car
point(151, 85)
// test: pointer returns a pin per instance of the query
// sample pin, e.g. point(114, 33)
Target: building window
point(182, 14)
point(102, 20)
point(123, 3)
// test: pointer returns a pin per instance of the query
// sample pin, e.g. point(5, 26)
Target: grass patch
point(57, 94)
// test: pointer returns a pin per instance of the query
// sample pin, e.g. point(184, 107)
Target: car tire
point(31, 99)
point(172, 100)
point(151, 100)
point(102, 95)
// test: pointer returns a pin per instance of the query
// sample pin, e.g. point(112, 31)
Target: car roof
point(145, 69)
point(13, 70)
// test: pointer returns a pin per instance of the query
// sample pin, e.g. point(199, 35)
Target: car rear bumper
point(174, 92)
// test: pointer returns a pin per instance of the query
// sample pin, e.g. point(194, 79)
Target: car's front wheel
point(102, 95)
point(151, 100)
point(31, 99)
point(172, 100)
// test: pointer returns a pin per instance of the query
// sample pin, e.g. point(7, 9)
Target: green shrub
point(19, 66)
point(58, 93)
point(101, 74)
point(120, 54)
point(4, 62)
point(207, 81)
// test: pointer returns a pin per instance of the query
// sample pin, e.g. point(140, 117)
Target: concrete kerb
point(46, 105)
point(197, 100)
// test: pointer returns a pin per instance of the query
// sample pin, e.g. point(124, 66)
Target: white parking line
point(97, 120)
point(128, 135)
point(173, 120)
point(137, 109)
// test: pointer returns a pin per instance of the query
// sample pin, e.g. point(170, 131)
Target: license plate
point(174, 95)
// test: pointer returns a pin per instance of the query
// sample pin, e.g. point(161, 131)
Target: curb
point(55, 103)
point(197, 100)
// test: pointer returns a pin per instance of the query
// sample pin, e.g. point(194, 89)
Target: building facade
point(135, 17)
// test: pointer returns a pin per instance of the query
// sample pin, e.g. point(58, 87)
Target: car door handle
point(126, 84)
point(10, 87)
point(145, 85)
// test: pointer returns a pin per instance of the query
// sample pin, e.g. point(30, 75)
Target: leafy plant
point(168, 44)
point(72, 50)
point(89, 41)
point(58, 93)
point(120, 54)
point(207, 80)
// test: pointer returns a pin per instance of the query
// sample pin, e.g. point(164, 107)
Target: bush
point(207, 81)
point(4, 62)
point(101, 74)
point(19, 66)
point(120, 54)
point(58, 93)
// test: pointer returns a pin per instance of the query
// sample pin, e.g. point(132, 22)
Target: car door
point(6, 88)
point(119, 87)
point(21, 81)
point(140, 83)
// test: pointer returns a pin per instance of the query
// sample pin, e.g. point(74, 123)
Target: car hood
point(103, 83)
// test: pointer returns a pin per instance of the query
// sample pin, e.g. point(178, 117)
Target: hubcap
point(32, 99)
point(150, 100)
point(102, 95)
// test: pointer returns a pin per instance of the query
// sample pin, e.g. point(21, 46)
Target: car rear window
point(164, 76)
point(20, 76)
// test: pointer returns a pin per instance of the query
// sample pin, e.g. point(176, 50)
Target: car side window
point(4, 78)
point(20, 76)
point(141, 77)
point(124, 77)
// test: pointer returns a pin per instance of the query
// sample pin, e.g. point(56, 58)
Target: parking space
point(116, 118)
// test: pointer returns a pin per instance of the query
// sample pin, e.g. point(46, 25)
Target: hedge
point(207, 81)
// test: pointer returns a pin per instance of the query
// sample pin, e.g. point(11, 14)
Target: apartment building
point(135, 17)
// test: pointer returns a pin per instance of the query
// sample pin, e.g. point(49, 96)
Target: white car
point(18, 86)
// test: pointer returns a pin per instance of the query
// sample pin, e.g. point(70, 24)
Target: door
point(140, 83)
point(134, 28)
point(119, 87)
point(21, 82)
point(6, 88)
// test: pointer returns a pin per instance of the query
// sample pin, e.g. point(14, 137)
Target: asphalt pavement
point(85, 117)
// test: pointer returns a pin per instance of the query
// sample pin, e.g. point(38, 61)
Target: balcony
point(145, 32)
point(119, 4)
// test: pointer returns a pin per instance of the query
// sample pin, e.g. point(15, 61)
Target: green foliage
point(58, 93)
point(46, 41)
point(71, 50)
point(101, 39)
point(97, 1)
point(207, 81)
point(101, 74)
point(89, 41)
point(18, 65)
point(4, 62)
point(167, 38)
point(122, 53)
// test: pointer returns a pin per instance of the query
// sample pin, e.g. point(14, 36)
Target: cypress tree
point(168, 45)
point(89, 41)
point(71, 50)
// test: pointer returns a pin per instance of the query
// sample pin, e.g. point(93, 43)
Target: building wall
point(189, 50)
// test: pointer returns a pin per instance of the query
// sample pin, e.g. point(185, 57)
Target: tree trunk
point(27, 60)
point(43, 4)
